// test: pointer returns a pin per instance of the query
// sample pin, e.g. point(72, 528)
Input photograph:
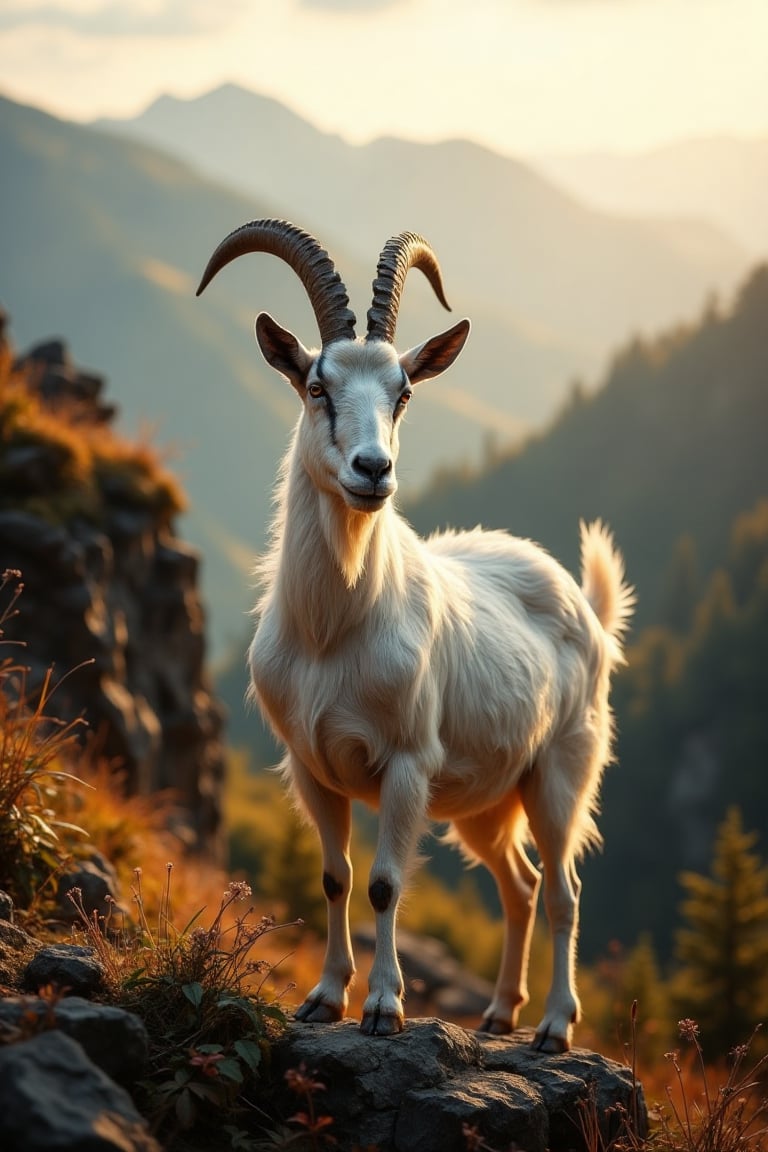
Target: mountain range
point(512, 240)
point(105, 235)
point(720, 179)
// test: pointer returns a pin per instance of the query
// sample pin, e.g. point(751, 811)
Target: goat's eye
point(316, 391)
point(403, 400)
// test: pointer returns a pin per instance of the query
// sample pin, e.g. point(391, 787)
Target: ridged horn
point(401, 253)
point(306, 257)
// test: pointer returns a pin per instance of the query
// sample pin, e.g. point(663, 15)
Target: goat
point(463, 678)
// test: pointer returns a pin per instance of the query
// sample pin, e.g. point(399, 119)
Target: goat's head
point(354, 391)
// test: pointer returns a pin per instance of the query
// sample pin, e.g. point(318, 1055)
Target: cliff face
point(111, 596)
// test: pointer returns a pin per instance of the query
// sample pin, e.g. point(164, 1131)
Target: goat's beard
point(348, 535)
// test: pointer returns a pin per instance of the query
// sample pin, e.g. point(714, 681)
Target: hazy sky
point(525, 76)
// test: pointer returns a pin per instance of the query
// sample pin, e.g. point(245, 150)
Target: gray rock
point(433, 1119)
point(68, 966)
point(115, 1040)
point(417, 1089)
point(53, 1099)
point(96, 879)
point(570, 1081)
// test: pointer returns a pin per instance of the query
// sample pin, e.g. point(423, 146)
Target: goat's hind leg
point(331, 815)
point(494, 838)
point(556, 795)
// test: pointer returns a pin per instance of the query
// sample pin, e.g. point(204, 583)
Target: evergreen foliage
point(722, 948)
point(693, 740)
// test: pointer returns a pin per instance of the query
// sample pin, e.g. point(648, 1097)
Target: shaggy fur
point(463, 678)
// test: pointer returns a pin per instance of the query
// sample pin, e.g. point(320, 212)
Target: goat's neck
point(333, 563)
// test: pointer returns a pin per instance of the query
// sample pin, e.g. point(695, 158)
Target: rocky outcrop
point(111, 597)
point(436, 1087)
point(429, 1088)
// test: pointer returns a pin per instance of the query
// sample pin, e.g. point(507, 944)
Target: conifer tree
point(722, 950)
point(641, 983)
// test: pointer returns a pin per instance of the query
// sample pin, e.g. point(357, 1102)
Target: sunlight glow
point(523, 76)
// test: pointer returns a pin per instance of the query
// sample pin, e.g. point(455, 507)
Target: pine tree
point(642, 983)
point(722, 982)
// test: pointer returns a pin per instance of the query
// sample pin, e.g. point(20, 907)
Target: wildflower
point(205, 1061)
point(237, 890)
point(313, 1123)
point(689, 1030)
point(300, 1081)
point(199, 939)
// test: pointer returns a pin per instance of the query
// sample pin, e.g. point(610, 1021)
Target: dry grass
point(89, 464)
point(35, 766)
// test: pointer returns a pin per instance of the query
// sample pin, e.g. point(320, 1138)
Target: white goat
point(463, 678)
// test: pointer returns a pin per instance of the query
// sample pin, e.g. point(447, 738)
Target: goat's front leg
point(331, 814)
point(403, 806)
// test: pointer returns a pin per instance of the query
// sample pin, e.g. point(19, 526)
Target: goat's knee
point(380, 894)
point(332, 887)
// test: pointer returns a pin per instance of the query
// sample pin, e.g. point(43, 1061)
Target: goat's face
point(354, 395)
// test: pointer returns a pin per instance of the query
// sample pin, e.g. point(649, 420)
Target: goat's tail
point(603, 582)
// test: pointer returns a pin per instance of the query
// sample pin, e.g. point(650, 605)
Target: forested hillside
point(693, 741)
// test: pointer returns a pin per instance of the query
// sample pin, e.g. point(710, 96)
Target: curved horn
point(310, 262)
point(408, 250)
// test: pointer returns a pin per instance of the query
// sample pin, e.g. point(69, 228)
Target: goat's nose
point(372, 465)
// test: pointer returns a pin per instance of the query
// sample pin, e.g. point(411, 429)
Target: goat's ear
point(283, 351)
point(434, 356)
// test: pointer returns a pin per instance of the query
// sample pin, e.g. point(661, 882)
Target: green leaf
point(185, 1109)
point(194, 993)
point(229, 1069)
point(249, 1052)
point(273, 1012)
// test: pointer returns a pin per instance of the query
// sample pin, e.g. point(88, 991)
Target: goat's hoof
point(547, 1042)
point(381, 1024)
point(318, 1012)
point(495, 1026)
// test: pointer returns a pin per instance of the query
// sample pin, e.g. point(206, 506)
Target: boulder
point(73, 968)
point(427, 1087)
point(53, 1099)
point(97, 882)
point(115, 1040)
